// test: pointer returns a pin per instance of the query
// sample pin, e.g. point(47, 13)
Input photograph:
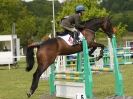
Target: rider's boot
point(76, 38)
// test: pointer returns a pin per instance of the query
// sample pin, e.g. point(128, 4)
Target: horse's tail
point(30, 56)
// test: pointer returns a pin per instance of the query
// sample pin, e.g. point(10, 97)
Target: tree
point(42, 10)
point(26, 29)
point(118, 5)
point(8, 14)
point(122, 11)
point(15, 12)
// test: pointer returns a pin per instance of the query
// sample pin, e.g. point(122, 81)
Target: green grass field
point(16, 82)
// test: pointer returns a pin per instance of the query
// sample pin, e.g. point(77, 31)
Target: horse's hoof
point(29, 94)
point(91, 55)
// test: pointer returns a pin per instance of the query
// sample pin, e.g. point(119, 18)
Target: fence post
point(51, 80)
point(87, 71)
point(118, 76)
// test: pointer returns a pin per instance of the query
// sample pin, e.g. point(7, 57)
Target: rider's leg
point(76, 35)
point(72, 32)
point(76, 38)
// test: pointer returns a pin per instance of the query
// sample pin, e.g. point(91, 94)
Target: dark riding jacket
point(72, 21)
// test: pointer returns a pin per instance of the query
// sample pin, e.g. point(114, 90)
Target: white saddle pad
point(69, 39)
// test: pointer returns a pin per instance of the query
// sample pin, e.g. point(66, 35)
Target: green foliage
point(38, 7)
point(118, 5)
point(26, 28)
point(8, 14)
point(44, 26)
point(122, 11)
point(15, 12)
point(42, 10)
point(120, 31)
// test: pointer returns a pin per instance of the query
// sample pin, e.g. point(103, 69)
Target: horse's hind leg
point(35, 81)
point(36, 76)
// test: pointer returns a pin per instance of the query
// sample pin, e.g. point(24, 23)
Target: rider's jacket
point(72, 21)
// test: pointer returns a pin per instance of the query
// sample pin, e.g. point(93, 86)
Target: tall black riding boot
point(76, 38)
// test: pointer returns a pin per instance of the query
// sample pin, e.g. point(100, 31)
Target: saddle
point(75, 36)
point(65, 33)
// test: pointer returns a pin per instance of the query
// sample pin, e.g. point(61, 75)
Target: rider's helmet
point(80, 8)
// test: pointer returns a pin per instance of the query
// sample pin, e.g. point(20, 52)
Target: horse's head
point(104, 23)
point(107, 26)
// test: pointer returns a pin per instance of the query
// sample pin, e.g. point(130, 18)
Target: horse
point(48, 50)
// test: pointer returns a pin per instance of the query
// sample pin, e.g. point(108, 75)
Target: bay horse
point(48, 50)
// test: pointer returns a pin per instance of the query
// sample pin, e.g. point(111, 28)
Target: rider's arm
point(78, 22)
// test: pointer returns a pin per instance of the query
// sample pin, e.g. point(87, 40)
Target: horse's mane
point(93, 20)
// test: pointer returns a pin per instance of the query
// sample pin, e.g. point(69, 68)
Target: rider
point(71, 23)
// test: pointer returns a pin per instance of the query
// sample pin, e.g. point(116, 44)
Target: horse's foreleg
point(95, 45)
point(101, 52)
point(91, 51)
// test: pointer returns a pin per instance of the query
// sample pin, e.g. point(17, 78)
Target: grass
point(15, 83)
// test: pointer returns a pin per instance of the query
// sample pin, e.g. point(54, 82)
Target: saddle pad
point(69, 40)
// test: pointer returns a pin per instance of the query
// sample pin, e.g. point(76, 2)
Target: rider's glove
point(74, 30)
